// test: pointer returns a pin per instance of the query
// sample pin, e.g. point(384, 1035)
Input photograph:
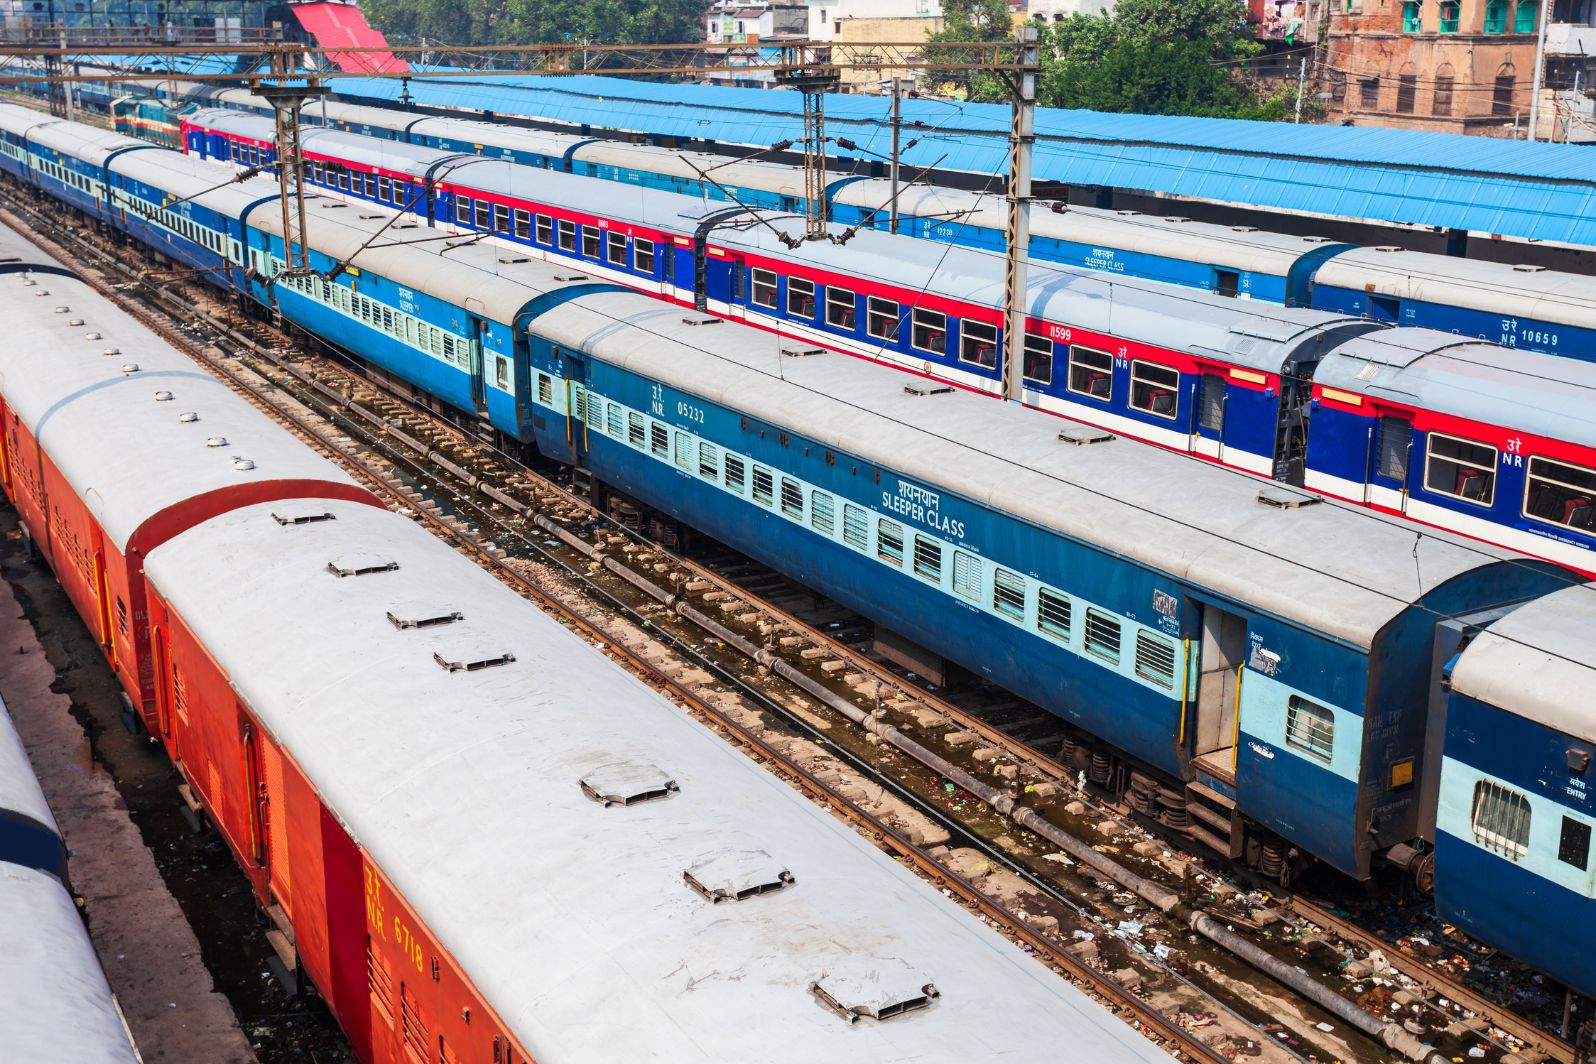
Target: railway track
point(776, 640)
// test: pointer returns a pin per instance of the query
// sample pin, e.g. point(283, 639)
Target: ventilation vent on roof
point(112, 351)
point(129, 368)
point(626, 783)
point(61, 310)
point(1316, 240)
point(1081, 435)
point(872, 987)
point(188, 417)
point(1244, 229)
point(74, 323)
point(1525, 267)
point(468, 659)
point(361, 565)
point(701, 321)
point(1127, 214)
point(414, 617)
point(216, 441)
point(1176, 219)
point(369, 217)
point(332, 205)
point(302, 517)
point(28, 282)
point(513, 259)
point(93, 336)
point(802, 352)
point(163, 397)
point(1369, 371)
point(42, 292)
point(1387, 248)
point(1286, 499)
point(922, 389)
point(407, 225)
point(732, 875)
point(243, 465)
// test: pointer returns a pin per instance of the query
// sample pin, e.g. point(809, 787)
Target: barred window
point(1396, 438)
point(545, 388)
point(889, 542)
point(1310, 727)
point(736, 473)
point(643, 255)
point(1008, 594)
point(792, 499)
point(635, 428)
point(1052, 613)
point(1501, 819)
point(764, 290)
point(595, 412)
point(855, 527)
point(764, 485)
point(659, 440)
point(1103, 635)
point(615, 421)
point(928, 558)
point(708, 461)
point(684, 450)
point(978, 343)
point(1155, 659)
point(966, 576)
point(822, 513)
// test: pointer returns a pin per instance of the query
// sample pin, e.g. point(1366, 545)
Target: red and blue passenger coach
point(111, 442)
point(1493, 443)
point(1517, 801)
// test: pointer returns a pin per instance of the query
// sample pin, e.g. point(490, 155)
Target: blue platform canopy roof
point(1486, 184)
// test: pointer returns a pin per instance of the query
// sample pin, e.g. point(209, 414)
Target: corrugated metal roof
point(1535, 191)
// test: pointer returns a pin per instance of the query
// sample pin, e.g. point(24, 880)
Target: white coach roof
point(134, 425)
point(574, 919)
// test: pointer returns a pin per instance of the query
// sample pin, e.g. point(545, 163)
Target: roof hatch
point(361, 565)
point(469, 659)
point(302, 515)
point(1285, 498)
point(1081, 435)
point(408, 617)
point(924, 388)
point(873, 987)
point(732, 875)
point(627, 783)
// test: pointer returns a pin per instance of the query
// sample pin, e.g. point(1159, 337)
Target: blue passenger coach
point(1243, 638)
point(1517, 802)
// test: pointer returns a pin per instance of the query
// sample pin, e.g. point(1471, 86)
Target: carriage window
point(617, 248)
point(523, 224)
point(384, 188)
point(764, 288)
point(590, 242)
point(1561, 494)
point(889, 542)
point(1103, 635)
point(1396, 441)
point(1008, 594)
point(708, 461)
point(1155, 659)
point(1052, 613)
point(545, 229)
point(736, 478)
point(614, 420)
point(881, 319)
point(659, 440)
point(764, 485)
point(1154, 388)
point(1501, 819)
point(842, 307)
point(1310, 727)
point(643, 256)
point(928, 559)
point(1038, 359)
point(501, 373)
point(484, 214)
point(800, 298)
point(634, 424)
point(822, 513)
point(1091, 372)
point(462, 210)
point(684, 450)
point(966, 576)
point(929, 331)
point(501, 218)
point(1573, 847)
point(567, 235)
point(1460, 468)
point(402, 195)
point(978, 343)
point(343, 177)
point(792, 499)
point(855, 527)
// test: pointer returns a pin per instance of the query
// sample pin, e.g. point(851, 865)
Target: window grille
point(1155, 659)
point(708, 461)
point(966, 576)
point(822, 514)
point(659, 440)
point(1103, 635)
point(635, 428)
point(1310, 728)
point(736, 473)
point(764, 485)
point(1501, 819)
point(792, 499)
point(889, 542)
point(684, 450)
point(928, 559)
point(1396, 439)
point(1052, 613)
point(1008, 594)
point(855, 527)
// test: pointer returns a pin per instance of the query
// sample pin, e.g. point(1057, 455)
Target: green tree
point(1172, 77)
point(971, 20)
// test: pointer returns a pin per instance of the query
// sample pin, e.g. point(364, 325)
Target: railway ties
point(549, 530)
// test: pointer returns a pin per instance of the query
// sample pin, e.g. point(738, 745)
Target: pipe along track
point(1158, 896)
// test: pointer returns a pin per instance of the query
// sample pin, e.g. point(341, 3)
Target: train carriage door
point(1224, 638)
point(163, 693)
point(737, 287)
point(578, 403)
point(1390, 447)
point(1209, 439)
point(255, 811)
point(102, 593)
point(275, 826)
point(479, 383)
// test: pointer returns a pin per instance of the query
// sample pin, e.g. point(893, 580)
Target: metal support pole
point(1540, 67)
point(287, 103)
point(814, 164)
point(897, 130)
point(1016, 261)
point(1302, 78)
